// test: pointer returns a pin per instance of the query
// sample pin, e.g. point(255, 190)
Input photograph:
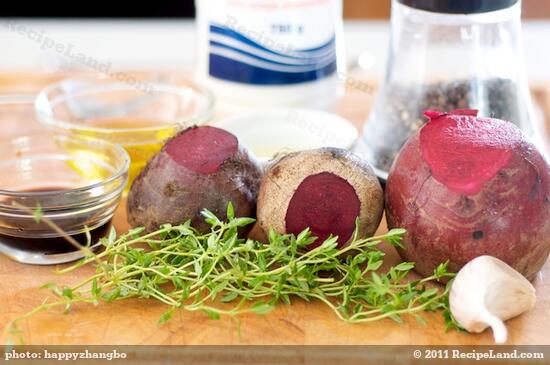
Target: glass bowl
point(139, 116)
point(18, 116)
point(72, 183)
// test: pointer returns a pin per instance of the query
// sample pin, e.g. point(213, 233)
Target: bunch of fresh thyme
point(219, 273)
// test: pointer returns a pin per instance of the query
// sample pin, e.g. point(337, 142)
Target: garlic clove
point(486, 292)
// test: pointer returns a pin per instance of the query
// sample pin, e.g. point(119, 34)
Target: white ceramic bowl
point(268, 132)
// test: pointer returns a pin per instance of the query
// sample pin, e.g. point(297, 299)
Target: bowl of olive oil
point(138, 116)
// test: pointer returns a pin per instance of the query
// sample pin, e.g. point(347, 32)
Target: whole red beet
point(200, 168)
point(464, 187)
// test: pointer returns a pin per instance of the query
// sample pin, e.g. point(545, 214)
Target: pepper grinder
point(446, 55)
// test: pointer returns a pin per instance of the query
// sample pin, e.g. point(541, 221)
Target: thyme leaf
point(220, 273)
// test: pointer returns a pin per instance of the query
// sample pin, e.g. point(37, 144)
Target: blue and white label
point(267, 42)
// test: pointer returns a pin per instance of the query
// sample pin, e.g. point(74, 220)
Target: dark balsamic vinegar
point(55, 245)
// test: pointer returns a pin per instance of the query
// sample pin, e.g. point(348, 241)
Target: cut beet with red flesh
point(202, 149)
point(463, 151)
point(327, 204)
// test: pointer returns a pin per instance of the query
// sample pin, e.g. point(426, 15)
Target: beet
point(200, 168)
point(465, 153)
point(327, 204)
point(192, 152)
point(463, 187)
point(324, 190)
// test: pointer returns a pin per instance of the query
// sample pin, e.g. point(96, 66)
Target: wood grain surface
point(135, 321)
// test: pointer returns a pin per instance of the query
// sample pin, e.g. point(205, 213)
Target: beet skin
point(200, 168)
point(464, 187)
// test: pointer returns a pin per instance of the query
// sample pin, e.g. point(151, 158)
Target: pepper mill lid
point(459, 6)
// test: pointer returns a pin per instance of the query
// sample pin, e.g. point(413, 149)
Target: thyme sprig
point(220, 273)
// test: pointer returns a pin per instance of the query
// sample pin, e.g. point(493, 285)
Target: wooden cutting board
point(135, 321)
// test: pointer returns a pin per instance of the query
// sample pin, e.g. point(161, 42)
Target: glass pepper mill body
point(447, 55)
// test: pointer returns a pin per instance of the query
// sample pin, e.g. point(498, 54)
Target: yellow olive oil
point(142, 138)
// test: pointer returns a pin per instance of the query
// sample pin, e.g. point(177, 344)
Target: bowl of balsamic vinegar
point(54, 190)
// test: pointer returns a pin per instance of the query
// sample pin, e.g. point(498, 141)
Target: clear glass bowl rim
point(117, 149)
point(46, 117)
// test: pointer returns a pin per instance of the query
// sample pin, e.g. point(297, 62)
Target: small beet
point(200, 168)
point(464, 187)
point(325, 190)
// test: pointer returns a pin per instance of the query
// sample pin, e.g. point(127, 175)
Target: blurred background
point(161, 35)
point(353, 9)
point(379, 9)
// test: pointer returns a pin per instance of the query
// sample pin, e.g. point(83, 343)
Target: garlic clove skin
point(486, 292)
